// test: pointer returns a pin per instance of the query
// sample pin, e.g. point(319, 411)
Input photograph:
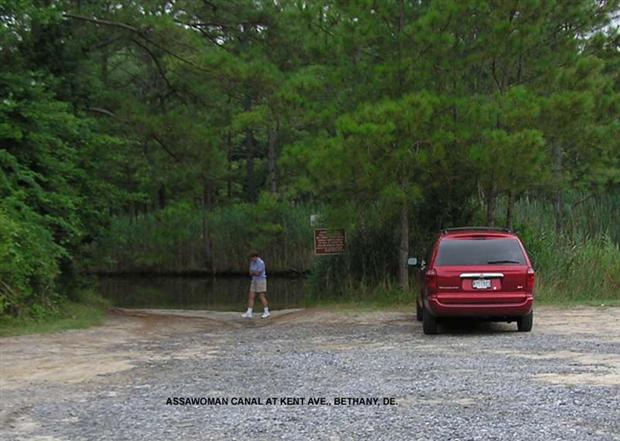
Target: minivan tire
point(429, 322)
point(418, 311)
point(525, 323)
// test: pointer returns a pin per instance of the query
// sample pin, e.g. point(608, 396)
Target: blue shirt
point(258, 265)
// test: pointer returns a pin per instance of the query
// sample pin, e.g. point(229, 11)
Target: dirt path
point(82, 355)
point(569, 348)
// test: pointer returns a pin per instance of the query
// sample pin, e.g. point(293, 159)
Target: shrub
point(28, 262)
point(185, 238)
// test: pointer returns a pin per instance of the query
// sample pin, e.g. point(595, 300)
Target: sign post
point(331, 241)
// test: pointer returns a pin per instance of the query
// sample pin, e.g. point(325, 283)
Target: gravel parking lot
point(473, 381)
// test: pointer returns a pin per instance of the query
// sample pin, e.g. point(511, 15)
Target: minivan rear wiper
point(502, 261)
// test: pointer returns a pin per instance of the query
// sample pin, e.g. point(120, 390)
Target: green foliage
point(28, 261)
point(141, 136)
point(185, 239)
point(51, 197)
point(369, 259)
point(87, 310)
point(585, 269)
point(581, 265)
point(360, 295)
point(583, 262)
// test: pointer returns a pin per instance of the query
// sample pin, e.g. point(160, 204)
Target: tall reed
point(184, 239)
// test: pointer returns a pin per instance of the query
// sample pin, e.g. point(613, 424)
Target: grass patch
point(578, 266)
point(360, 306)
point(360, 296)
point(90, 310)
point(171, 240)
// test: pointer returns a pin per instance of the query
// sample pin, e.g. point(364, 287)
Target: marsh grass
point(362, 295)
point(186, 239)
point(582, 264)
point(88, 310)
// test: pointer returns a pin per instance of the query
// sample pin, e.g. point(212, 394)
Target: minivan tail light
point(431, 279)
point(531, 279)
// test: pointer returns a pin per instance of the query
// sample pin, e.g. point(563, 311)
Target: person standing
point(258, 286)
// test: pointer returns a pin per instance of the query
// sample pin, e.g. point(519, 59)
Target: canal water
point(221, 293)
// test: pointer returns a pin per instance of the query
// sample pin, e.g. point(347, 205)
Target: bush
point(583, 262)
point(89, 309)
point(28, 262)
point(577, 268)
point(183, 238)
point(370, 261)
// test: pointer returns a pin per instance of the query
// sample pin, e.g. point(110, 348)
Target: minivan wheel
point(418, 311)
point(524, 324)
point(429, 322)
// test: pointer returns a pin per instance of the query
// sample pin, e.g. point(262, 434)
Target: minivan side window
point(456, 252)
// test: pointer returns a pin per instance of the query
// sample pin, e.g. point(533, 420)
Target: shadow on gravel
point(213, 319)
point(463, 326)
point(162, 319)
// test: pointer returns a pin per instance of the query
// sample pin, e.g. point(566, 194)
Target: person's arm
point(260, 268)
point(253, 273)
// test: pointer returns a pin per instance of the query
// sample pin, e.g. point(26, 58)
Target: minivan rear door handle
point(482, 275)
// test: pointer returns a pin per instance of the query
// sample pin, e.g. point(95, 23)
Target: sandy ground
point(84, 355)
point(35, 367)
point(81, 355)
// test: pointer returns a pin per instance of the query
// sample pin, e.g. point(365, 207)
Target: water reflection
point(222, 293)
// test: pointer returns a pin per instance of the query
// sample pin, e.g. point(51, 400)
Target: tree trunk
point(250, 152)
point(492, 205)
point(401, 25)
point(209, 258)
point(558, 200)
point(510, 209)
point(161, 196)
point(252, 194)
point(230, 164)
point(271, 159)
point(105, 66)
point(403, 255)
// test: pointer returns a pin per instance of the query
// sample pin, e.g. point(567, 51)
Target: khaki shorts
point(258, 286)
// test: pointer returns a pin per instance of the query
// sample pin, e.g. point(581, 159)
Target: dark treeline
point(172, 135)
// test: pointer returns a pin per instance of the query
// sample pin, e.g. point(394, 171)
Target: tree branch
point(163, 146)
point(141, 33)
point(156, 61)
point(102, 111)
point(103, 22)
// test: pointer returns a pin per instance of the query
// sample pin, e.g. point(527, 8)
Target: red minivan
point(476, 272)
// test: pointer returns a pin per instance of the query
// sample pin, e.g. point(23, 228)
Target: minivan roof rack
point(504, 230)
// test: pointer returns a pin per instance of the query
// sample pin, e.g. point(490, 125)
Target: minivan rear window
point(453, 252)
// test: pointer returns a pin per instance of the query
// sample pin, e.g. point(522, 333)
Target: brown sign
point(329, 241)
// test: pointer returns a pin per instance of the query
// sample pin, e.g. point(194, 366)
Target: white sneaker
point(247, 315)
point(266, 314)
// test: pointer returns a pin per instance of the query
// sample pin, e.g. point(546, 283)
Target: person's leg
point(263, 298)
point(251, 297)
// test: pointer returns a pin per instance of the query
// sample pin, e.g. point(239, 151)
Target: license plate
point(482, 284)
